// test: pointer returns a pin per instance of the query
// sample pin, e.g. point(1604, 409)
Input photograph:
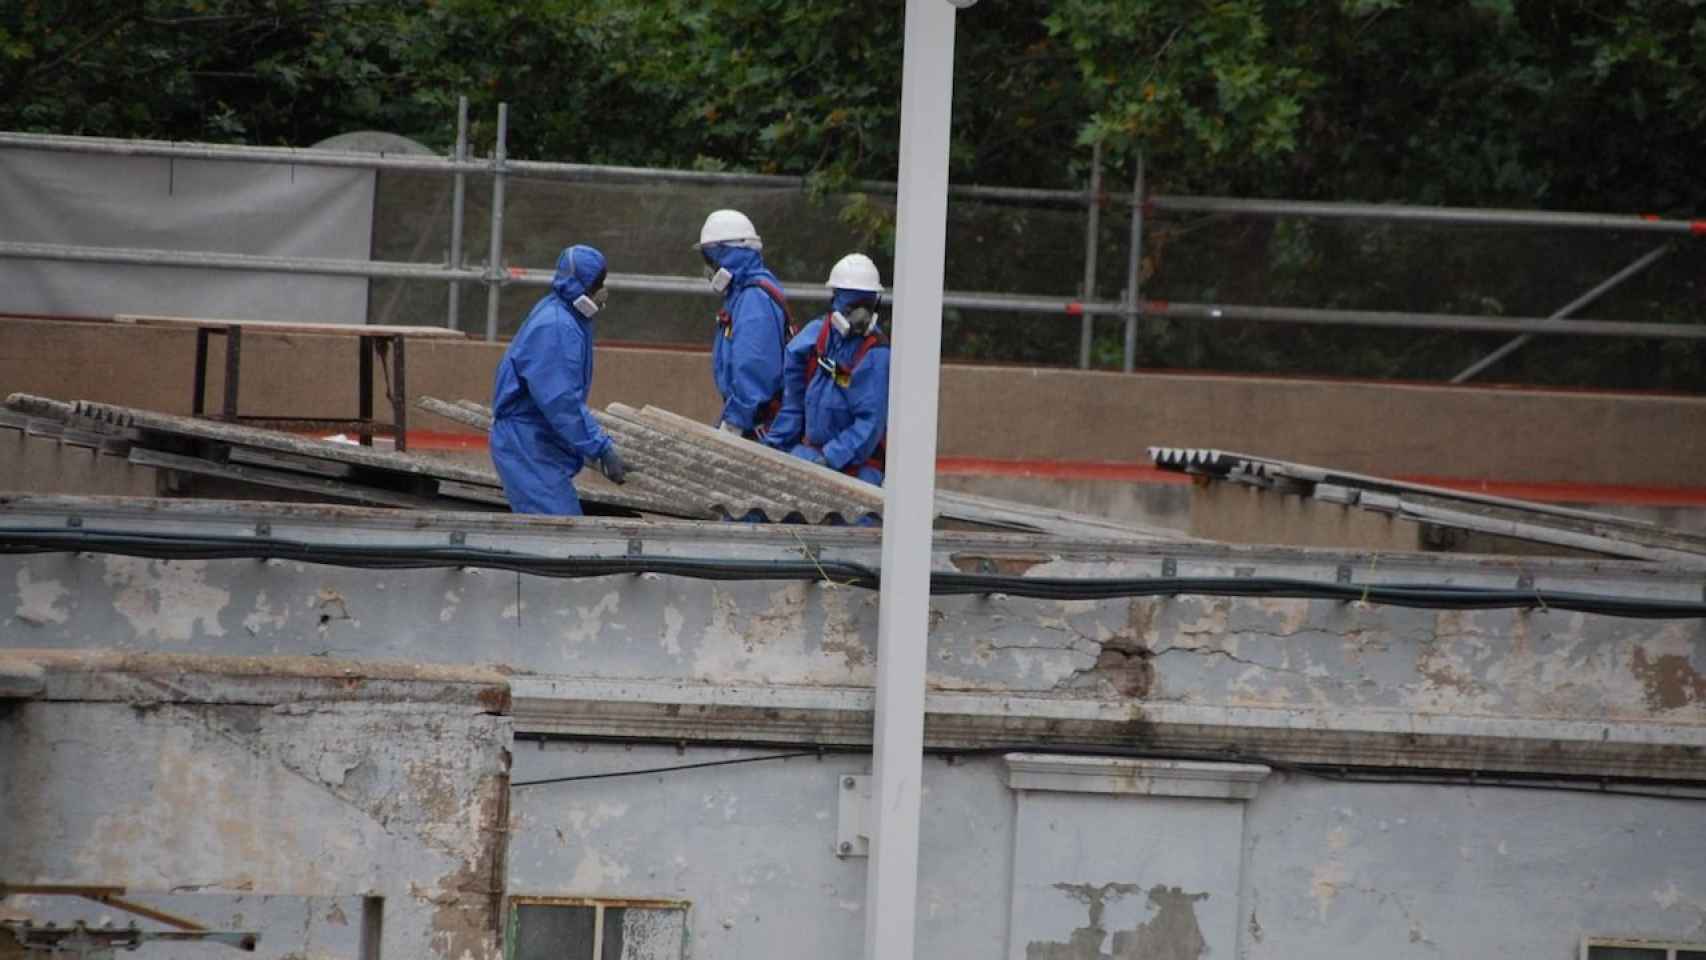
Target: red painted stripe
point(1697, 227)
point(1057, 470)
point(436, 440)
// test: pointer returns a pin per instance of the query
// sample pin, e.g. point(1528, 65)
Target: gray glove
point(612, 467)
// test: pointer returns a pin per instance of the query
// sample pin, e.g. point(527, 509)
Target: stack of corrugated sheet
point(269, 459)
point(678, 468)
point(1443, 507)
point(704, 472)
point(721, 475)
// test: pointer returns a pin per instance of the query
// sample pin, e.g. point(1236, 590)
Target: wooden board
point(273, 326)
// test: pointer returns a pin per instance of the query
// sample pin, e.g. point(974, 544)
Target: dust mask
point(854, 322)
point(589, 305)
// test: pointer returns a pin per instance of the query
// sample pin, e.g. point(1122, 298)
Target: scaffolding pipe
point(458, 197)
point(495, 252)
point(376, 269)
point(1092, 226)
point(1610, 283)
point(1009, 303)
point(1460, 216)
point(294, 156)
point(1133, 270)
point(1401, 213)
point(1425, 321)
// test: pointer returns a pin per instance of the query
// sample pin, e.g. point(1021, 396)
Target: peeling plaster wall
point(398, 800)
point(1340, 871)
point(1290, 654)
point(753, 847)
point(1305, 869)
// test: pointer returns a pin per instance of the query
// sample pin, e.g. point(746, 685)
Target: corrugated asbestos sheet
point(257, 458)
point(689, 462)
point(678, 468)
point(704, 472)
point(1499, 516)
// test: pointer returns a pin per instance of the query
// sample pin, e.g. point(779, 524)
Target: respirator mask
point(855, 322)
point(589, 303)
point(718, 277)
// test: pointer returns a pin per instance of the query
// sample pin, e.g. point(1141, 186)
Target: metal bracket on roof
point(1383, 502)
point(1169, 567)
point(1525, 581)
point(634, 546)
point(1334, 493)
point(263, 528)
point(74, 522)
point(458, 538)
point(1343, 573)
point(1243, 571)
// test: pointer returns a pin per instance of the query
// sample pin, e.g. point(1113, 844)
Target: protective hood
point(579, 269)
point(845, 300)
point(742, 263)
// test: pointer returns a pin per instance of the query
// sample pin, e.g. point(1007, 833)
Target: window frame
point(512, 917)
point(1670, 947)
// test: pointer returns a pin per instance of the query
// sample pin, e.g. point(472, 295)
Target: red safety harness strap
point(844, 376)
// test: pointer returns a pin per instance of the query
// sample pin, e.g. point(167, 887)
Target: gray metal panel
point(1502, 516)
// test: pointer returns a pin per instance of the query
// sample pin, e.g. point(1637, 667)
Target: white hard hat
point(728, 226)
point(855, 272)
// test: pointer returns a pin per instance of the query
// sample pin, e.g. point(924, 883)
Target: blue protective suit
point(542, 431)
point(843, 424)
point(746, 354)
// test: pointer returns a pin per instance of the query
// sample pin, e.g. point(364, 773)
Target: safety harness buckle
point(840, 374)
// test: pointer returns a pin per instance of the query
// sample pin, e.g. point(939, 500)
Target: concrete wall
point(286, 777)
point(323, 776)
point(1304, 869)
point(1546, 689)
point(44, 464)
point(994, 412)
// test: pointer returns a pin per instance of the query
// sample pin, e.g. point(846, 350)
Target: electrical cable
point(684, 766)
point(1319, 771)
point(942, 583)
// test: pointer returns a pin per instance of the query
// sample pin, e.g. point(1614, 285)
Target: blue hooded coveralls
point(843, 423)
point(746, 353)
point(542, 431)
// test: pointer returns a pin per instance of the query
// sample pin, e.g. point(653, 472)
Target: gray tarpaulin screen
point(185, 205)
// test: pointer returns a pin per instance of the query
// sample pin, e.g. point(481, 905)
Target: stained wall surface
point(1305, 868)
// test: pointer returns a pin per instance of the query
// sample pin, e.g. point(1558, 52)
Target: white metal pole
point(494, 256)
point(1134, 269)
point(1092, 237)
point(909, 487)
point(458, 199)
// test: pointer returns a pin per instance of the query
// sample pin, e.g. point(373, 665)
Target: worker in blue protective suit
point(835, 409)
point(753, 326)
point(542, 431)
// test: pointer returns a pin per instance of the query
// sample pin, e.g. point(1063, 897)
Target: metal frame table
point(387, 341)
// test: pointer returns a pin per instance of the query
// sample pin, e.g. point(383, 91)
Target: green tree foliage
point(1560, 104)
point(1587, 105)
